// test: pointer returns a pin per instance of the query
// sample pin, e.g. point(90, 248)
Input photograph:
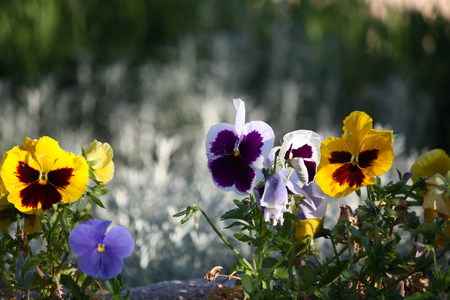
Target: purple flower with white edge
point(301, 149)
point(313, 206)
point(236, 151)
point(274, 199)
point(101, 255)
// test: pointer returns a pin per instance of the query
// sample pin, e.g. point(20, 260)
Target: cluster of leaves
point(49, 274)
point(367, 260)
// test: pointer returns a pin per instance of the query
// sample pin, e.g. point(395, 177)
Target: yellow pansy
point(430, 163)
point(100, 155)
point(353, 160)
point(39, 173)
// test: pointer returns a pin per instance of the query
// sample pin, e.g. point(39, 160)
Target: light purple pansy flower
point(236, 151)
point(273, 197)
point(301, 149)
point(101, 255)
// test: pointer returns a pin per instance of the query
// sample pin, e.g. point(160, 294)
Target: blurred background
point(151, 77)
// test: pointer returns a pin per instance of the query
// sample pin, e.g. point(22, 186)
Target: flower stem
point(223, 238)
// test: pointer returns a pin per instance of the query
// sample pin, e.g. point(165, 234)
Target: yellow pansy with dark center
point(352, 161)
point(39, 173)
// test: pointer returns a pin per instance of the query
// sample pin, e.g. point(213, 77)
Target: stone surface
point(192, 289)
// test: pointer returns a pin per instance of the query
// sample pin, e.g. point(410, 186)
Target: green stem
point(224, 239)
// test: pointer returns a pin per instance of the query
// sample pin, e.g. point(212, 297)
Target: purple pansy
point(101, 255)
point(301, 149)
point(313, 206)
point(236, 151)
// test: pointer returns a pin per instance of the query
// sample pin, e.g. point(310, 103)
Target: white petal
point(240, 115)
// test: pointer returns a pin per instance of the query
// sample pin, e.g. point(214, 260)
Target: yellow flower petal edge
point(433, 162)
point(39, 173)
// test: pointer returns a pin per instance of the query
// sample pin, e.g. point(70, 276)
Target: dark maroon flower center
point(350, 173)
point(44, 190)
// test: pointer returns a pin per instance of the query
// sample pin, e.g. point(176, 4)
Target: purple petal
point(250, 147)
point(84, 238)
point(268, 138)
point(240, 115)
point(101, 225)
point(104, 265)
point(314, 206)
point(275, 193)
point(221, 140)
point(311, 168)
point(304, 151)
point(119, 241)
point(230, 173)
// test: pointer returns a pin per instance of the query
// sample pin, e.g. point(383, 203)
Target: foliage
point(382, 250)
point(49, 273)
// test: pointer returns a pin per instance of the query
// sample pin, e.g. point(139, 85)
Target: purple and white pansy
point(236, 151)
point(301, 149)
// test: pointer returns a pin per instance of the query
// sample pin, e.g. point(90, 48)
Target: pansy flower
point(39, 173)
point(101, 254)
point(301, 149)
point(272, 197)
point(99, 157)
point(434, 165)
point(311, 213)
point(353, 160)
point(236, 151)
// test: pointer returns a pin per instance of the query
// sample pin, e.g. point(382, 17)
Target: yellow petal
point(328, 185)
point(106, 174)
point(356, 126)
point(99, 151)
point(10, 164)
point(47, 151)
point(79, 179)
point(309, 227)
point(32, 224)
point(330, 146)
point(381, 142)
point(432, 162)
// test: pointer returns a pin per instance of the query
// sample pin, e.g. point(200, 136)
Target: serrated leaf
point(363, 239)
point(113, 286)
point(234, 224)
point(391, 213)
point(30, 263)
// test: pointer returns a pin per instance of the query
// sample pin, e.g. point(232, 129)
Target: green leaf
point(242, 237)
point(99, 191)
point(247, 284)
point(428, 228)
point(69, 283)
point(390, 212)
point(234, 224)
point(349, 275)
point(31, 262)
point(113, 285)
point(307, 275)
point(281, 273)
point(363, 239)
point(235, 213)
point(95, 199)
point(92, 163)
point(87, 281)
